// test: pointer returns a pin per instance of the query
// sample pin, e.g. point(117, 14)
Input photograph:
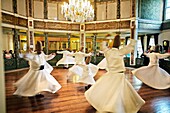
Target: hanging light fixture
point(78, 11)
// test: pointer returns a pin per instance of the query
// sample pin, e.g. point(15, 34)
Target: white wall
point(60, 16)
point(101, 11)
point(165, 35)
point(111, 10)
point(21, 7)
point(38, 9)
point(7, 42)
point(125, 9)
point(52, 11)
point(7, 5)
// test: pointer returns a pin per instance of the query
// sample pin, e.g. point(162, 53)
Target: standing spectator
point(145, 58)
point(11, 52)
point(8, 55)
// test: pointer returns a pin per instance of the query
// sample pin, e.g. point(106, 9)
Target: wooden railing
point(11, 64)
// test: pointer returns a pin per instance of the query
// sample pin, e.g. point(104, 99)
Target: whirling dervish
point(38, 78)
point(153, 75)
point(82, 71)
point(66, 59)
point(102, 64)
point(112, 92)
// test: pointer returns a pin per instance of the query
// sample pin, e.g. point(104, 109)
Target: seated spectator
point(146, 59)
point(11, 52)
point(4, 52)
point(8, 55)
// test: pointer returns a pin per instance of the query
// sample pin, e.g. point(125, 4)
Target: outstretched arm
point(101, 52)
point(71, 54)
point(104, 47)
point(50, 56)
point(59, 52)
point(127, 49)
point(88, 54)
point(25, 55)
point(162, 56)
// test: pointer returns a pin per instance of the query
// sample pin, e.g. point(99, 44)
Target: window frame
point(165, 8)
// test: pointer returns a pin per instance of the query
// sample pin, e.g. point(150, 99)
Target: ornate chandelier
point(78, 11)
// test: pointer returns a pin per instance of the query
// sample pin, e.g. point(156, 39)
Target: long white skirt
point(66, 60)
point(113, 93)
point(153, 76)
point(83, 73)
point(102, 64)
point(48, 67)
point(35, 82)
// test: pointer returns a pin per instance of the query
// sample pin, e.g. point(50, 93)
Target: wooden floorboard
point(70, 98)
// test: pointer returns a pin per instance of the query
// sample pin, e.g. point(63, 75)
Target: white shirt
point(114, 56)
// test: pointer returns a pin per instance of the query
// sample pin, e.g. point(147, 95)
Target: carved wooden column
point(45, 9)
point(30, 32)
point(15, 36)
point(134, 8)
point(118, 9)
point(145, 42)
point(94, 47)
point(142, 42)
point(29, 8)
point(82, 36)
point(148, 39)
point(46, 42)
point(68, 37)
point(46, 17)
point(134, 35)
point(134, 29)
point(156, 38)
point(16, 45)
point(15, 6)
point(2, 77)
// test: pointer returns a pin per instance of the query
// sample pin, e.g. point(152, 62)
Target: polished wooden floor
point(70, 98)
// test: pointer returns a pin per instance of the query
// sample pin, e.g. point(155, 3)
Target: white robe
point(81, 72)
point(102, 64)
point(112, 92)
point(65, 59)
point(36, 81)
point(153, 75)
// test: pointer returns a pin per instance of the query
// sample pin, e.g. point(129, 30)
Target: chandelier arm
point(78, 11)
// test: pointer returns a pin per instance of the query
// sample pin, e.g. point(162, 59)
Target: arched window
point(167, 9)
point(139, 46)
point(152, 41)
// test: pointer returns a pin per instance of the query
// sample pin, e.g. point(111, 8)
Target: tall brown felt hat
point(39, 44)
point(116, 42)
